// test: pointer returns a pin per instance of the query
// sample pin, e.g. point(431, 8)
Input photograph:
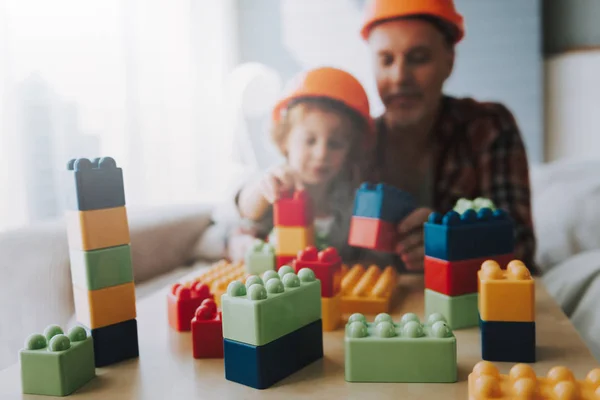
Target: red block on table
point(455, 278)
point(327, 266)
point(207, 331)
point(293, 210)
point(280, 261)
point(372, 233)
point(182, 303)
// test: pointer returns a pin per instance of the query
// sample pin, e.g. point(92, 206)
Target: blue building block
point(94, 185)
point(507, 341)
point(455, 237)
point(262, 366)
point(383, 202)
point(115, 343)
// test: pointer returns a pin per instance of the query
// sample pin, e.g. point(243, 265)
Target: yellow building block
point(331, 313)
point(219, 276)
point(97, 229)
point(368, 291)
point(506, 295)
point(98, 308)
point(289, 240)
point(486, 382)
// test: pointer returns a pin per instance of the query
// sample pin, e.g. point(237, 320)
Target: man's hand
point(410, 245)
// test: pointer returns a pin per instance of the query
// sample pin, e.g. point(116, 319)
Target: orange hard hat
point(328, 82)
point(381, 10)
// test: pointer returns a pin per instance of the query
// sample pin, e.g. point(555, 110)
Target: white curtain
point(137, 80)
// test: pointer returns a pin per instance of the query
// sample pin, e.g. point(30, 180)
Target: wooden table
point(166, 368)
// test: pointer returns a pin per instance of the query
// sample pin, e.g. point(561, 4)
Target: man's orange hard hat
point(377, 11)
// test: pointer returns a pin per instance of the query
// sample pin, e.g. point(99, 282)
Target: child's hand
point(279, 180)
point(410, 245)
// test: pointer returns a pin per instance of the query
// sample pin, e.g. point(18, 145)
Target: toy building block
point(293, 209)
point(97, 229)
point(207, 331)
point(506, 295)
point(469, 235)
point(56, 364)
point(102, 307)
point(408, 351)
point(262, 366)
point(291, 239)
point(280, 261)
point(115, 343)
point(98, 269)
point(331, 311)
point(372, 233)
point(268, 308)
point(182, 302)
point(455, 278)
point(508, 341)
point(327, 266)
point(220, 275)
point(259, 258)
point(486, 382)
point(463, 204)
point(459, 311)
point(93, 185)
point(382, 202)
point(369, 291)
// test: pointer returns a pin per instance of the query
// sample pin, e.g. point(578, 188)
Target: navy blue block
point(115, 343)
point(383, 202)
point(456, 237)
point(507, 341)
point(262, 366)
point(94, 185)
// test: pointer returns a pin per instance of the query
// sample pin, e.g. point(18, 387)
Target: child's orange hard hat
point(378, 11)
point(328, 82)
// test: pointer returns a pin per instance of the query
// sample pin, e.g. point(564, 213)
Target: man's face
point(411, 62)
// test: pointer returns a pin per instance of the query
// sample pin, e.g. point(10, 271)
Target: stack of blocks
point(100, 254)
point(507, 312)
point(377, 211)
point(271, 326)
point(409, 351)
point(327, 266)
point(293, 220)
point(455, 246)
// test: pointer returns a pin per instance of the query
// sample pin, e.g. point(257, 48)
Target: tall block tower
point(100, 255)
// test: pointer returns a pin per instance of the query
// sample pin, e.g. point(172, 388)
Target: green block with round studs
point(262, 310)
point(402, 351)
point(56, 364)
point(259, 258)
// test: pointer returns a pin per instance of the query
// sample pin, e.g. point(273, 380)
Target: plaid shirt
point(477, 151)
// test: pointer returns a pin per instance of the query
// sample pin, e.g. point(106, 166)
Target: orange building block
point(331, 313)
point(485, 382)
point(506, 295)
point(107, 306)
point(219, 276)
point(370, 291)
point(289, 240)
point(97, 229)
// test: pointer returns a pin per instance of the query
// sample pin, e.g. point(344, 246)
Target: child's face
point(318, 145)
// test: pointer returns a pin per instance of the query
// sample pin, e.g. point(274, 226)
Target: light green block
point(259, 258)
point(460, 311)
point(97, 269)
point(266, 309)
point(55, 364)
point(407, 351)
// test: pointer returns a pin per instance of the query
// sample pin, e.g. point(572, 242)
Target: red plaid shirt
point(477, 151)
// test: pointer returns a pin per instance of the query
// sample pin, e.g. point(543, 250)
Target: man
point(434, 146)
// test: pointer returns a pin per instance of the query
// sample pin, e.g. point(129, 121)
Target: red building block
point(327, 266)
point(293, 209)
point(372, 233)
point(280, 261)
point(455, 278)
point(207, 331)
point(182, 303)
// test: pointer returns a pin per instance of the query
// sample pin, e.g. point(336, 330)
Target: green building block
point(407, 351)
point(259, 258)
point(460, 311)
point(266, 309)
point(464, 204)
point(98, 269)
point(55, 364)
